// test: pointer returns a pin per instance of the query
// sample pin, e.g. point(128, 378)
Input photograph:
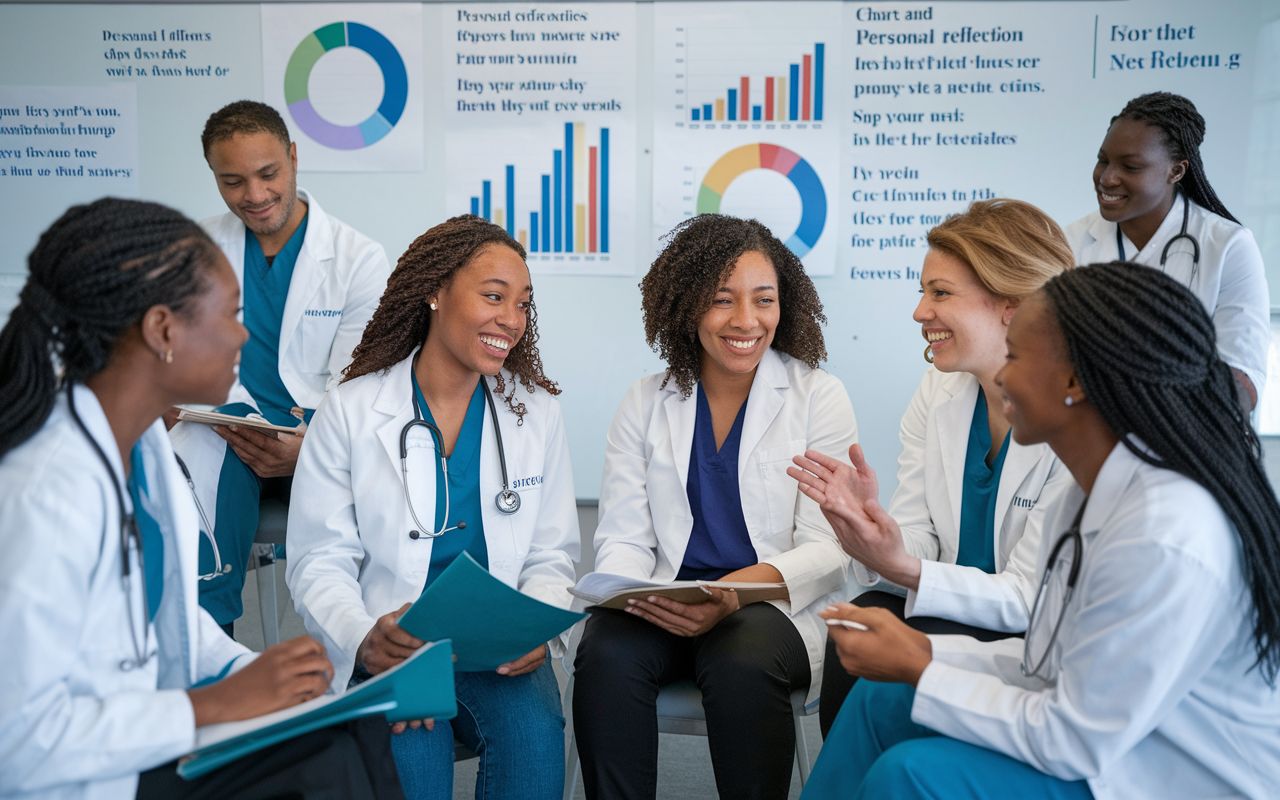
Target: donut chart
point(813, 199)
point(395, 79)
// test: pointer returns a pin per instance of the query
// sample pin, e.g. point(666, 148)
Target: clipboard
point(217, 418)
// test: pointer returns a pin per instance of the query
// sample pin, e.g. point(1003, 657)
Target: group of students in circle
point(1073, 592)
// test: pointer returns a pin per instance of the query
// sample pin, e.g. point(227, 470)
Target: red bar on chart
point(768, 99)
point(592, 215)
point(808, 82)
point(745, 112)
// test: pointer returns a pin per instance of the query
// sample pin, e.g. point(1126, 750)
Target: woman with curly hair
point(456, 325)
point(695, 487)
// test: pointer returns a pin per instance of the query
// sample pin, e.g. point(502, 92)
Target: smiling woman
point(694, 489)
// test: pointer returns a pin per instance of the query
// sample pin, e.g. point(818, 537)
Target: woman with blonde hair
point(962, 531)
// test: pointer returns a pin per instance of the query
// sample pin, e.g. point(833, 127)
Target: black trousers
point(836, 683)
point(351, 760)
point(746, 666)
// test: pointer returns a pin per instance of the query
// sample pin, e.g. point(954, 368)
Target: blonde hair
point(1012, 246)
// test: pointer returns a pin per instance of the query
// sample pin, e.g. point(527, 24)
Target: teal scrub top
point(978, 500)
point(266, 288)
point(152, 539)
point(464, 489)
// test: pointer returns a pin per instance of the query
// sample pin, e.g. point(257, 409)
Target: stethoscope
point(1164, 254)
point(1071, 537)
point(219, 569)
point(507, 500)
point(130, 538)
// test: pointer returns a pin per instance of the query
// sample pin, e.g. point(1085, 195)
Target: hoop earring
point(928, 354)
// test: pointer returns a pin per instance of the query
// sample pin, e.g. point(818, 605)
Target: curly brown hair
point(400, 324)
point(699, 256)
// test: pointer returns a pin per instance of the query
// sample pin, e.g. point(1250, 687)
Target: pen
point(848, 623)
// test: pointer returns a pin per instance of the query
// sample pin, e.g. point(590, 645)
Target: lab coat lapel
point(682, 416)
point(953, 421)
point(763, 404)
point(310, 270)
point(395, 402)
point(1018, 463)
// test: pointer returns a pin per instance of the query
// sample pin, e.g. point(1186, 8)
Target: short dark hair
point(699, 255)
point(243, 116)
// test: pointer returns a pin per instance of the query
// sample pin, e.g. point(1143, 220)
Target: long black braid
point(1183, 130)
point(93, 274)
point(1145, 353)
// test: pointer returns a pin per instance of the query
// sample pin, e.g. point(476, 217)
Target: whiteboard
point(592, 337)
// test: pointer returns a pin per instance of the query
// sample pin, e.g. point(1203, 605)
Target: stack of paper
point(419, 687)
point(258, 423)
point(489, 623)
point(603, 590)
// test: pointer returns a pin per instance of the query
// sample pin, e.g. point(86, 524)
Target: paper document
point(419, 687)
point(216, 418)
point(600, 589)
point(489, 622)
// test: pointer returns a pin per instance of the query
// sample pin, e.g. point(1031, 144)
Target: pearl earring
point(433, 306)
point(1069, 401)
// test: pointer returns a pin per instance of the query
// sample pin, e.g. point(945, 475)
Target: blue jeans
point(874, 750)
point(514, 724)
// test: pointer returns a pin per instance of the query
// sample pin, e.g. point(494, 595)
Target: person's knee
point(902, 772)
point(610, 647)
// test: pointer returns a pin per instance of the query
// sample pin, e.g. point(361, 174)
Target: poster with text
point(540, 114)
point(347, 78)
point(746, 119)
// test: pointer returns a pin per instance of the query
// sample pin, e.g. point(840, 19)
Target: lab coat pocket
point(315, 337)
point(780, 489)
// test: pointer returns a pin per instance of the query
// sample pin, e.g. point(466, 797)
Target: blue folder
point(489, 623)
point(419, 687)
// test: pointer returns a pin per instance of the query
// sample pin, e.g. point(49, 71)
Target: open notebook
point(603, 590)
point(419, 687)
point(218, 418)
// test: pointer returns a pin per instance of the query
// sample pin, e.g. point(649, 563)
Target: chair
point(273, 519)
point(680, 711)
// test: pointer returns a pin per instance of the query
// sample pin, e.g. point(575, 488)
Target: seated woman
point(695, 488)
point(112, 664)
point(455, 327)
point(963, 528)
point(1149, 667)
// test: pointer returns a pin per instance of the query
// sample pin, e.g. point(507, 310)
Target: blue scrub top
point(978, 500)
point(152, 539)
point(464, 488)
point(266, 288)
point(720, 542)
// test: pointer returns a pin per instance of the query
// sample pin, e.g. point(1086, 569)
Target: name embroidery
point(524, 483)
point(1022, 502)
point(322, 312)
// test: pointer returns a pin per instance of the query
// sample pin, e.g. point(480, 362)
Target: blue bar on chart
point(511, 200)
point(604, 190)
point(706, 112)
point(696, 113)
point(558, 170)
point(795, 93)
point(475, 206)
point(755, 113)
point(731, 105)
point(817, 81)
point(487, 194)
point(533, 231)
point(546, 212)
point(568, 187)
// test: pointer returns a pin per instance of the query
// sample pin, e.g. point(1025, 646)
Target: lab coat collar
point(954, 420)
point(394, 399)
point(95, 421)
point(1103, 231)
point(1109, 487)
point(310, 270)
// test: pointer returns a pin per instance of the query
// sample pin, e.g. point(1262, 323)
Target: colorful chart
point(395, 81)
point(813, 199)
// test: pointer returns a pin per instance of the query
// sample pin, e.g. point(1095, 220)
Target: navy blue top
point(720, 542)
point(152, 539)
point(464, 488)
point(266, 288)
point(978, 500)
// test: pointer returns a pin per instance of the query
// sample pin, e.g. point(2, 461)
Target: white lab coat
point(926, 505)
point(1152, 691)
point(1231, 281)
point(72, 723)
point(645, 517)
point(337, 283)
point(350, 558)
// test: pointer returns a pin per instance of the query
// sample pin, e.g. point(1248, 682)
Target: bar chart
point(795, 94)
point(561, 205)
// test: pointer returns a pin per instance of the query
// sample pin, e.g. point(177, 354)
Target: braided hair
point(92, 275)
point(399, 325)
point(1183, 128)
point(1145, 353)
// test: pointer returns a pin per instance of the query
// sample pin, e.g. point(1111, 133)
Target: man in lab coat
point(310, 284)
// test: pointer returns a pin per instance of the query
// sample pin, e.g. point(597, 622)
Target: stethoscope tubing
point(219, 569)
point(1072, 535)
point(1164, 254)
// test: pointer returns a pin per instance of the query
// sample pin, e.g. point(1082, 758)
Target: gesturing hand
point(888, 650)
point(268, 455)
point(282, 676)
point(684, 619)
point(847, 496)
point(387, 644)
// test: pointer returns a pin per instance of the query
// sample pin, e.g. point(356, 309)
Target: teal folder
point(489, 622)
point(419, 687)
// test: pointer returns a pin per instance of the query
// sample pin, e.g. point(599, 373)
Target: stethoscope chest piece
point(507, 501)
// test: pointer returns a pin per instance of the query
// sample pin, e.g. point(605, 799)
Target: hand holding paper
point(282, 676)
